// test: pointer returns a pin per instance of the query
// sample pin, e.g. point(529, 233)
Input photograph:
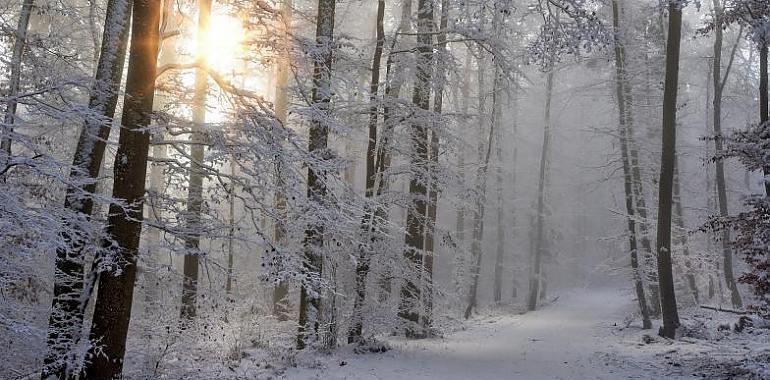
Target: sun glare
point(223, 43)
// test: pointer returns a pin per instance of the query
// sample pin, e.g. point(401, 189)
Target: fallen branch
point(715, 308)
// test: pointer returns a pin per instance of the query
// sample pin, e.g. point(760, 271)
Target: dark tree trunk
point(112, 311)
point(665, 271)
point(438, 105)
point(310, 300)
point(411, 292)
point(69, 294)
point(727, 254)
point(367, 226)
point(395, 68)
point(764, 115)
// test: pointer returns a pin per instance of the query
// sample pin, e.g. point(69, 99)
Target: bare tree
point(363, 262)
point(310, 294)
point(70, 294)
point(719, 83)
point(195, 186)
point(623, 116)
point(668, 155)
point(14, 79)
point(538, 252)
point(409, 309)
point(112, 311)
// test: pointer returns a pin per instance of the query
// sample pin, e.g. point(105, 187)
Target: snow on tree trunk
point(310, 293)
point(70, 295)
point(14, 81)
point(368, 227)
point(411, 292)
point(624, 114)
point(112, 311)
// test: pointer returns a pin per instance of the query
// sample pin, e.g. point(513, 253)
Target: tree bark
point(70, 295)
point(112, 311)
point(665, 271)
point(411, 292)
point(310, 293)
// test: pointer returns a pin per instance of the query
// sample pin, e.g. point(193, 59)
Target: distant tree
point(14, 81)
point(195, 187)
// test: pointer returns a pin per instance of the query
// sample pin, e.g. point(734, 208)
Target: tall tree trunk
point(394, 80)
point(536, 273)
point(682, 236)
point(764, 114)
point(195, 186)
point(460, 259)
point(475, 226)
point(497, 106)
point(478, 221)
point(167, 54)
point(727, 254)
point(112, 311)
point(14, 80)
point(665, 271)
point(624, 114)
point(438, 105)
point(70, 295)
point(498, 284)
point(281, 290)
point(310, 300)
point(231, 232)
point(368, 224)
point(465, 90)
point(514, 138)
point(411, 294)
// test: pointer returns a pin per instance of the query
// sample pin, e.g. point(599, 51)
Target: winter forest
point(384, 189)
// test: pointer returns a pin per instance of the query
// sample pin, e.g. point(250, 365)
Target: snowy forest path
point(573, 338)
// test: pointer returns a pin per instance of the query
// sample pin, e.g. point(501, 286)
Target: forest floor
point(585, 334)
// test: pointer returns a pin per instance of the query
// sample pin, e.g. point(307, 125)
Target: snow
point(580, 336)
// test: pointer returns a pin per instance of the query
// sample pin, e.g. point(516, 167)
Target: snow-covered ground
point(583, 335)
